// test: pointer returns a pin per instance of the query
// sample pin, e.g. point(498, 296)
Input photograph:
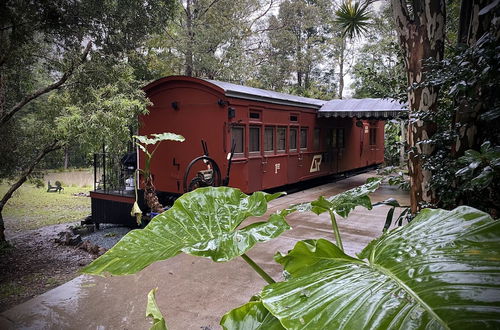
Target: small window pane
point(237, 137)
point(293, 138)
point(317, 134)
point(254, 139)
point(269, 139)
point(281, 137)
point(303, 138)
point(373, 136)
point(254, 115)
point(334, 138)
point(340, 138)
point(294, 118)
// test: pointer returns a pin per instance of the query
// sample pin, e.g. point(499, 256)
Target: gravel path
point(107, 236)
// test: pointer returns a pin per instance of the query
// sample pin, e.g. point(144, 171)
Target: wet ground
point(194, 293)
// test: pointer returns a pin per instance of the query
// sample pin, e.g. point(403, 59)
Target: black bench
point(57, 188)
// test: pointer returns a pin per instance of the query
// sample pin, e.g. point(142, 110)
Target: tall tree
point(353, 18)
point(63, 75)
point(297, 37)
point(421, 30)
point(211, 37)
point(379, 70)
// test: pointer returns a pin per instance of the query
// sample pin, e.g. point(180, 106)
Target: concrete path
point(194, 293)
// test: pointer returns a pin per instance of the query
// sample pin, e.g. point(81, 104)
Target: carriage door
point(336, 149)
point(255, 158)
point(372, 153)
point(295, 160)
point(274, 161)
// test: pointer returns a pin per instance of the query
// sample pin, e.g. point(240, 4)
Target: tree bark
point(188, 68)
point(341, 67)
point(66, 157)
point(421, 36)
point(24, 176)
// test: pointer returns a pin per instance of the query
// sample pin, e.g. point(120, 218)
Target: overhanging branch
point(5, 117)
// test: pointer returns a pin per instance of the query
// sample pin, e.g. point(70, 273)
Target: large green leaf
point(252, 315)
point(203, 222)
point(343, 203)
point(153, 312)
point(144, 139)
point(440, 271)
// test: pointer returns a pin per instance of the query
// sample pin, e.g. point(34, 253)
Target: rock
point(67, 238)
point(75, 240)
point(89, 247)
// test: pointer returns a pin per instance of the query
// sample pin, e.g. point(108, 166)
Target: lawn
point(32, 208)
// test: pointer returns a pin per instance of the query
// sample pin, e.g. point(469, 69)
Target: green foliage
point(480, 176)
point(153, 311)
point(330, 289)
point(353, 18)
point(393, 142)
point(467, 80)
point(252, 315)
point(297, 44)
point(142, 141)
point(203, 223)
point(379, 71)
point(71, 98)
point(343, 203)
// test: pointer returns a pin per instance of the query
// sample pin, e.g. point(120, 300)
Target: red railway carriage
point(273, 139)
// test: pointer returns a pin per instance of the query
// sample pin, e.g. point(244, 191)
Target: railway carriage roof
point(362, 108)
point(257, 94)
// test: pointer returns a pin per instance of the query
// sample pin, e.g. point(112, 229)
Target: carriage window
point(316, 138)
point(255, 115)
point(338, 138)
point(281, 138)
point(373, 136)
point(254, 139)
point(294, 118)
point(269, 139)
point(293, 138)
point(237, 134)
point(303, 138)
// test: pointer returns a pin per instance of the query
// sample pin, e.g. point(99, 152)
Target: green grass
point(10, 289)
point(32, 208)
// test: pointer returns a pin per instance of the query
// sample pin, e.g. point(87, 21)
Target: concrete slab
point(194, 293)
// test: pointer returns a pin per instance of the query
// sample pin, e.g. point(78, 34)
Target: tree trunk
point(421, 36)
point(402, 148)
point(188, 69)
point(66, 158)
point(22, 179)
point(341, 68)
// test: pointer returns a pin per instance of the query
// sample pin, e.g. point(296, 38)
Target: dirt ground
point(36, 264)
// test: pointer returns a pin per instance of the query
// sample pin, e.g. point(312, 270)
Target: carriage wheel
point(199, 180)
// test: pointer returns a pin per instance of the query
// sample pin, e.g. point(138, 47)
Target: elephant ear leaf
point(251, 316)
point(204, 222)
point(440, 271)
point(342, 203)
point(154, 312)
